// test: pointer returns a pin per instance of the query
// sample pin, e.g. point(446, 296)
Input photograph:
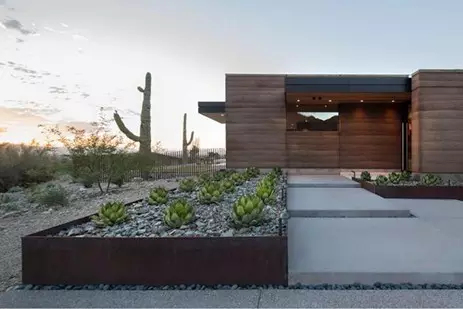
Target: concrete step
point(341, 203)
point(369, 250)
point(321, 181)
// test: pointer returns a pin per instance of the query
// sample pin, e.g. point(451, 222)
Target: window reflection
point(307, 120)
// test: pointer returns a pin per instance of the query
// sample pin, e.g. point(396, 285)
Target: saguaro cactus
point(144, 138)
point(186, 143)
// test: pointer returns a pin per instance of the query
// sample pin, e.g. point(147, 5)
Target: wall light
point(361, 101)
point(329, 101)
point(297, 105)
point(298, 100)
point(222, 115)
point(326, 105)
point(393, 101)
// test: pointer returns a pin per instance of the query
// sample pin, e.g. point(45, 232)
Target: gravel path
point(82, 203)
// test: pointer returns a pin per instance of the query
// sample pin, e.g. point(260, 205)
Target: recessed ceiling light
point(298, 100)
point(326, 105)
point(361, 101)
point(297, 105)
point(393, 101)
point(329, 100)
point(222, 115)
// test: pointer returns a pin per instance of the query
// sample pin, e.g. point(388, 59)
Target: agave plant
point(269, 180)
point(228, 186)
point(247, 211)
point(395, 178)
point(251, 172)
point(266, 192)
point(405, 176)
point(210, 193)
point(204, 178)
point(187, 185)
point(223, 174)
point(158, 196)
point(237, 178)
point(381, 180)
point(110, 214)
point(365, 176)
point(179, 213)
point(431, 180)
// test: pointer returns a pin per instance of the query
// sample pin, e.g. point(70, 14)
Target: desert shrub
point(365, 175)
point(25, 164)
point(98, 156)
point(50, 195)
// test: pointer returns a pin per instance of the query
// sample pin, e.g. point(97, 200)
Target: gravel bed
point(354, 286)
point(211, 220)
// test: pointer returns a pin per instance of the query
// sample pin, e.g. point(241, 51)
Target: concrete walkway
point(346, 235)
point(234, 299)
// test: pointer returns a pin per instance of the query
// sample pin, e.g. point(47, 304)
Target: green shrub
point(187, 185)
point(365, 176)
point(395, 178)
point(210, 193)
point(381, 180)
point(158, 196)
point(50, 195)
point(110, 214)
point(431, 180)
point(247, 211)
point(25, 165)
point(179, 213)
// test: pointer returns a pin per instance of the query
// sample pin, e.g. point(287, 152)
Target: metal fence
point(172, 164)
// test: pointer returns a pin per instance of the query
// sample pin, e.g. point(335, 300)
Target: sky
point(61, 60)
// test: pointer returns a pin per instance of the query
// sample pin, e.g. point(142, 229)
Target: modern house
point(344, 122)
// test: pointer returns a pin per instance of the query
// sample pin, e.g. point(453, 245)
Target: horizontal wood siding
point(437, 122)
point(256, 121)
point(313, 149)
point(370, 136)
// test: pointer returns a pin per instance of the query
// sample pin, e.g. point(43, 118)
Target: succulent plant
point(237, 178)
point(381, 180)
point(277, 171)
point(405, 176)
point(158, 196)
point(266, 192)
point(431, 180)
point(110, 214)
point(179, 213)
point(223, 174)
point(187, 185)
point(251, 172)
point(365, 176)
point(211, 192)
point(269, 180)
point(228, 186)
point(395, 178)
point(247, 210)
point(204, 178)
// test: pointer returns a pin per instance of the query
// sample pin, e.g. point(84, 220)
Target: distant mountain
point(312, 123)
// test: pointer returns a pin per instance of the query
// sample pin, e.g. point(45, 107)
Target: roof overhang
point(213, 110)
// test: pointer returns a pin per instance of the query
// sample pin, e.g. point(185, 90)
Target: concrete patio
point(362, 240)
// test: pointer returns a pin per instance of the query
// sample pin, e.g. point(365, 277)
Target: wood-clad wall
point(437, 121)
point(370, 136)
point(312, 149)
point(256, 121)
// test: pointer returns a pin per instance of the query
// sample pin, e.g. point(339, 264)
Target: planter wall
point(153, 261)
point(416, 192)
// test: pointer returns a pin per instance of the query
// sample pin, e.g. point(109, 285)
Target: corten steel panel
point(370, 136)
point(312, 149)
point(153, 261)
point(414, 192)
point(437, 122)
point(256, 121)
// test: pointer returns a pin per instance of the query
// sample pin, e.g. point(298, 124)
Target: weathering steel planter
point(54, 260)
point(415, 192)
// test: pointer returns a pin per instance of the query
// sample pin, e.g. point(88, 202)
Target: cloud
point(54, 89)
point(15, 24)
point(54, 30)
point(64, 25)
point(18, 40)
point(79, 37)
